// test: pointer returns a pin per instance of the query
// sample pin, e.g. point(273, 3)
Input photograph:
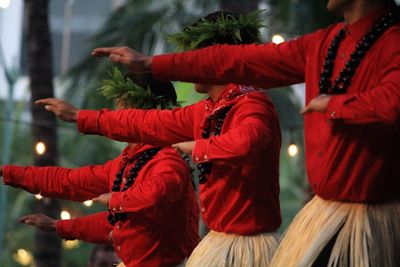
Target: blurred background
point(45, 50)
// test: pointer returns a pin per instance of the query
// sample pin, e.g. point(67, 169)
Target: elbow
point(245, 149)
point(392, 116)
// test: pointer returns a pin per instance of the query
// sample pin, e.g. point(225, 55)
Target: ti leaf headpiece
point(122, 88)
point(219, 28)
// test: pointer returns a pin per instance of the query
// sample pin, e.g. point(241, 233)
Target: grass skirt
point(232, 250)
point(368, 235)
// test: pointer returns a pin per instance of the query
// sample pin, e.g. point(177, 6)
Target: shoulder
point(390, 39)
point(318, 36)
point(254, 95)
point(257, 103)
point(170, 156)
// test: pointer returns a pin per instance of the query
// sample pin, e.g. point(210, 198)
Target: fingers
point(119, 59)
point(107, 51)
point(177, 147)
point(101, 52)
point(28, 219)
point(304, 110)
point(47, 101)
point(96, 199)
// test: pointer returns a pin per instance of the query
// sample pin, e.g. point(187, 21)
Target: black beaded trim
point(141, 161)
point(346, 74)
point(219, 118)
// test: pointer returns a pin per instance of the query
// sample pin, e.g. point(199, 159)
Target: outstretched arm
point(155, 127)
point(93, 228)
point(266, 66)
point(78, 184)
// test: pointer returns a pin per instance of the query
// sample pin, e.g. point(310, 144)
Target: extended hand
point(103, 199)
point(133, 60)
point(317, 104)
point(184, 147)
point(62, 109)
point(40, 221)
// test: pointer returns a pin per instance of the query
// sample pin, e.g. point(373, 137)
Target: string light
point(88, 203)
point(23, 257)
point(65, 215)
point(4, 4)
point(71, 244)
point(293, 150)
point(40, 148)
point(38, 196)
point(277, 39)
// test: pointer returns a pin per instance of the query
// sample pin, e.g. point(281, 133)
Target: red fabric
point(352, 149)
point(162, 225)
point(242, 193)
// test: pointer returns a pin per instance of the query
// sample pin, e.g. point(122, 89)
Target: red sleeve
point(93, 228)
point(74, 184)
point(252, 132)
point(163, 186)
point(266, 66)
point(378, 105)
point(154, 127)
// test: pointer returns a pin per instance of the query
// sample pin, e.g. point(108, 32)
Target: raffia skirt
point(231, 250)
point(367, 235)
point(123, 265)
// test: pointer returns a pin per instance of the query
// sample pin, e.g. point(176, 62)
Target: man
point(236, 145)
point(352, 75)
point(103, 256)
point(153, 212)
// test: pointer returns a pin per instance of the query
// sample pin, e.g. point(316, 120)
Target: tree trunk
point(47, 245)
point(242, 6)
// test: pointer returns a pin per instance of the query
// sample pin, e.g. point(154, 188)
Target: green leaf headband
point(225, 29)
point(119, 87)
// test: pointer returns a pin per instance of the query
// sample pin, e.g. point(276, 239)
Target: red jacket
point(352, 149)
point(242, 193)
point(162, 225)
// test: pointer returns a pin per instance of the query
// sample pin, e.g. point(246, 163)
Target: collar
point(231, 94)
point(129, 153)
point(358, 29)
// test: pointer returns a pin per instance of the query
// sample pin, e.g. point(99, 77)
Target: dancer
point(352, 77)
point(236, 145)
point(153, 218)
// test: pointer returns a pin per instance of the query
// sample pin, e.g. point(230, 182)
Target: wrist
point(75, 116)
point(147, 63)
point(53, 225)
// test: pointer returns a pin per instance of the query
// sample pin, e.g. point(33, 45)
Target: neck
point(359, 9)
point(215, 91)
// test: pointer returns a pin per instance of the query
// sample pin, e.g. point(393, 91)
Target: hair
point(158, 88)
point(138, 91)
point(221, 27)
point(99, 248)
